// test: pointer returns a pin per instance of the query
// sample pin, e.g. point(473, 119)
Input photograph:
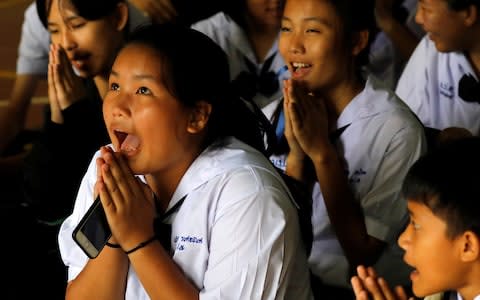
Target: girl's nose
point(117, 104)
point(296, 44)
point(68, 42)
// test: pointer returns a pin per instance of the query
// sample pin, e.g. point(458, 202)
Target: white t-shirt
point(234, 42)
point(382, 141)
point(429, 85)
point(236, 235)
point(34, 43)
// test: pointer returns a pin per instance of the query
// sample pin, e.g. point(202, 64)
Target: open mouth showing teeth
point(297, 66)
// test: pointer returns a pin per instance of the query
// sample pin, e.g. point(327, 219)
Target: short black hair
point(462, 4)
point(447, 180)
point(88, 9)
point(195, 68)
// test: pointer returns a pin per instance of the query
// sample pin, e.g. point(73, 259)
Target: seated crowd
point(247, 149)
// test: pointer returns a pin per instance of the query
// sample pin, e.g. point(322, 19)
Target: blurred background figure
point(398, 35)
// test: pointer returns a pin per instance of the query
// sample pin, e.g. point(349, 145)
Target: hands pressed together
point(306, 121)
point(64, 86)
point(127, 201)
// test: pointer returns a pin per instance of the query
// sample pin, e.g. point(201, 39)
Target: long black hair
point(196, 69)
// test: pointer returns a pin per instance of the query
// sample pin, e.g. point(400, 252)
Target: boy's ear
point(121, 16)
point(361, 41)
point(470, 15)
point(199, 117)
point(470, 246)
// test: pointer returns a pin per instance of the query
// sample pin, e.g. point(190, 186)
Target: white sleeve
point(384, 209)
point(412, 85)
point(72, 255)
point(34, 44)
point(255, 248)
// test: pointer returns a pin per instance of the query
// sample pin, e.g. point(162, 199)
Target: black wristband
point(141, 245)
point(112, 245)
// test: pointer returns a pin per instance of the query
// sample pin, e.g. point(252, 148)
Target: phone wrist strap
point(141, 245)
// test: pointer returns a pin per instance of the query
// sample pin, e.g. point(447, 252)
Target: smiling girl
point(349, 139)
point(234, 227)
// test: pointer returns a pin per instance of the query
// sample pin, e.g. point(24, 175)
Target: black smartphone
point(93, 231)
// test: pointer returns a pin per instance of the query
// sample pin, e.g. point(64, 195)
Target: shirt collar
point(460, 297)
point(238, 37)
point(213, 162)
point(372, 100)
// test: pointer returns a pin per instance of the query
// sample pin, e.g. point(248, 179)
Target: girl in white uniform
point(350, 140)
point(234, 227)
point(247, 31)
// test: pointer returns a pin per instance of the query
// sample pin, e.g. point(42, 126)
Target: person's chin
point(421, 290)
point(442, 49)
point(84, 72)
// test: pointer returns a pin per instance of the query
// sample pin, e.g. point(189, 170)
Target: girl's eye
point(114, 87)
point(143, 91)
point(77, 25)
point(284, 29)
point(53, 31)
point(414, 225)
point(313, 30)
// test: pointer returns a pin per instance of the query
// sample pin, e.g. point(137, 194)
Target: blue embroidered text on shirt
point(355, 178)
point(182, 240)
point(191, 239)
point(446, 89)
point(279, 163)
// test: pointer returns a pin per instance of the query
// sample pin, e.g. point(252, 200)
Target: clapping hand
point(367, 285)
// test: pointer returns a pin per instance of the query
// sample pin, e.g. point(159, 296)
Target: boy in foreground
point(442, 239)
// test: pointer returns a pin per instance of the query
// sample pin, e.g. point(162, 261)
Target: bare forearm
point(345, 212)
point(102, 278)
point(296, 167)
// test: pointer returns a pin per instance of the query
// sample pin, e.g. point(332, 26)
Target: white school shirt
point(429, 85)
point(382, 141)
point(32, 56)
point(234, 42)
point(236, 235)
point(459, 297)
point(384, 60)
point(34, 43)
point(452, 296)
